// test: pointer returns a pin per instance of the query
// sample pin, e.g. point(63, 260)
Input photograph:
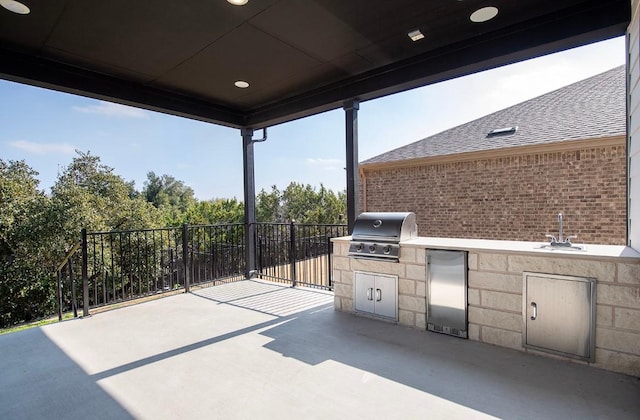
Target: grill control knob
point(360, 247)
point(372, 248)
point(386, 250)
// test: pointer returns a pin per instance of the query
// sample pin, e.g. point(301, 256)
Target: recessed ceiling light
point(484, 14)
point(238, 2)
point(415, 35)
point(15, 7)
point(241, 84)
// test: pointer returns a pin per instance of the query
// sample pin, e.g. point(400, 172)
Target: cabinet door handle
point(370, 293)
point(534, 306)
point(378, 295)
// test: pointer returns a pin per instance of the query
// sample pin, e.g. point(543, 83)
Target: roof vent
point(506, 131)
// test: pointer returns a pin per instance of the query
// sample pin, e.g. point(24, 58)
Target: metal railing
point(67, 288)
point(297, 253)
point(125, 265)
point(119, 266)
point(215, 253)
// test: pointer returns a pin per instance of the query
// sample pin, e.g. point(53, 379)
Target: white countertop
point(590, 250)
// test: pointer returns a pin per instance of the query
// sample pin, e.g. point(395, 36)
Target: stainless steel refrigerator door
point(447, 289)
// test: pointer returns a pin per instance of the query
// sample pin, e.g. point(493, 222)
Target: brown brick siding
point(510, 197)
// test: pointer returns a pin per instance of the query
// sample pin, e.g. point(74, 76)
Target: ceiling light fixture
point(238, 2)
point(15, 7)
point(241, 84)
point(484, 14)
point(415, 35)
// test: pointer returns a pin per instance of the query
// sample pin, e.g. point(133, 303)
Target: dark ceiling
point(300, 56)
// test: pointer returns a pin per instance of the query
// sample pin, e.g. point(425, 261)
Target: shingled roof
point(591, 108)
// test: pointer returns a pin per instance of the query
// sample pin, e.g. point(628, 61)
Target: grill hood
point(377, 235)
point(385, 227)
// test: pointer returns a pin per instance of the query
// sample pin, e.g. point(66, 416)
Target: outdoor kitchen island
point(496, 310)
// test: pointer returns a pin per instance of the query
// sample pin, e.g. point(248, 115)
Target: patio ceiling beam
point(36, 71)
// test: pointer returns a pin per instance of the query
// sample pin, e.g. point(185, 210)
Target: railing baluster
point(85, 274)
point(59, 294)
point(185, 255)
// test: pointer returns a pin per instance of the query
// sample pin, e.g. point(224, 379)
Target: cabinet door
point(386, 296)
point(559, 314)
point(364, 292)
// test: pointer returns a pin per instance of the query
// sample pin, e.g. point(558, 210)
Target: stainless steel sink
point(562, 243)
point(550, 247)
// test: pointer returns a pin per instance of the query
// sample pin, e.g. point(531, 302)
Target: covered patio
point(254, 349)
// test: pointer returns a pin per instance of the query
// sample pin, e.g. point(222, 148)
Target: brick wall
point(513, 197)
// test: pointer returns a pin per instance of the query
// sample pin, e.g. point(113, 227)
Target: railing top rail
point(166, 228)
point(110, 232)
point(301, 224)
point(72, 251)
point(216, 225)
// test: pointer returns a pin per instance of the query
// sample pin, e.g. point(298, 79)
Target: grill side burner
point(378, 235)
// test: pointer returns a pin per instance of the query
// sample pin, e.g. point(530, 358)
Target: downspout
point(627, 149)
point(363, 180)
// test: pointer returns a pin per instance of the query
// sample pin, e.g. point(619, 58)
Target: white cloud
point(326, 164)
point(43, 148)
point(109, 109)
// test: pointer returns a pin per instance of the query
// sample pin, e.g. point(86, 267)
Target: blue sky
point(44, 128)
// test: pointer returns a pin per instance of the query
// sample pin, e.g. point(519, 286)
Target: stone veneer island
point(495, 289)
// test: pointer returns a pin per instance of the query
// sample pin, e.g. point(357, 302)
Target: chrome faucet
point(561, 240)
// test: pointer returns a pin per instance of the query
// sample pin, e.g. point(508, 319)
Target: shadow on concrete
point(500, 382)
point(39, 381)
point(267, 298)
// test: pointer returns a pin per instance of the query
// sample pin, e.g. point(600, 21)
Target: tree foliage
point(301, 203)
point(169, 195)
point(216, 211)
point(25, 291)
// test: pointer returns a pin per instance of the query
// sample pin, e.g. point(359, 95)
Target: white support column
point(633, 127)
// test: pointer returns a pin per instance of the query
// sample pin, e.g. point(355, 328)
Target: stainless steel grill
point(378, 235)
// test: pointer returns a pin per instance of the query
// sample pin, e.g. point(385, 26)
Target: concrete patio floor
point(254, 350)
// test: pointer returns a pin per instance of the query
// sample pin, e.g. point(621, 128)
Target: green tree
point(89, 195)
point(26, 258)
point(329, 207)
point(301, 203)
point(269, 206)
point(216, 211)
point(170, 195)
